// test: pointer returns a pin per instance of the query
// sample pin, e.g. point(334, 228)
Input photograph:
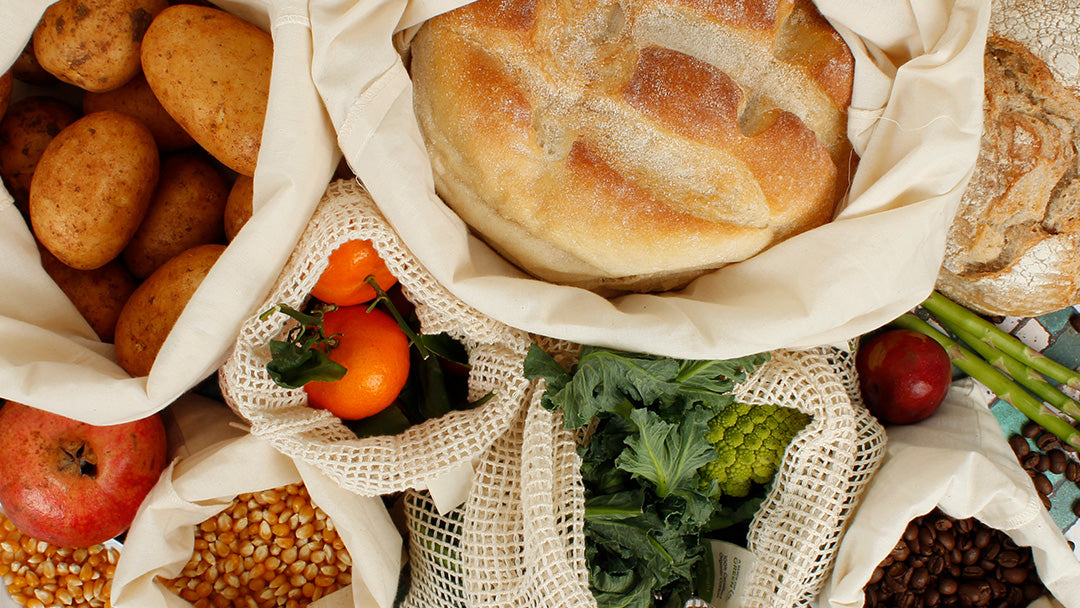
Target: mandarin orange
point(375, 351)
point(343, 281)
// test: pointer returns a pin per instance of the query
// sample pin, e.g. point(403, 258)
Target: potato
point(187, 209)
point(25, 132)
point(5, 91)
point(97, 294)
point(150, 312)
point(238, 205)
point(211, 71)
point(94, 44)
point(136, 99)
point(27, 68)
point(92, 187)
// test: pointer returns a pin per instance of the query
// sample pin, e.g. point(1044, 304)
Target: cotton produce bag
point(959, 461)
point(520, 540)
point(436, 454)
point(49, 356)
point(201, 483)
point(915, 121)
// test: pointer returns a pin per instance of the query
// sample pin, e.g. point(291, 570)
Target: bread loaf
point(1014, 246)
point(634, 145)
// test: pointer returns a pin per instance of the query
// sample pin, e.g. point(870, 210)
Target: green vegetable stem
point(1003, 386)
point(955, 318)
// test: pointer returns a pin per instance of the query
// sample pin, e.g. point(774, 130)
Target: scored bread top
point(634, 145)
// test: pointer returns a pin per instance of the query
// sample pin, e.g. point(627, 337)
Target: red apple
point(71, 483)
point(903, 375)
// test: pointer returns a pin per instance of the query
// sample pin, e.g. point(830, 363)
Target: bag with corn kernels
point(237, 523)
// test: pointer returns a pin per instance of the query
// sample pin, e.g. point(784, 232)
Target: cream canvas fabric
point(915, 121)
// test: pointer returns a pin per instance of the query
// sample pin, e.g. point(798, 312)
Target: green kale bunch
point(647, 504)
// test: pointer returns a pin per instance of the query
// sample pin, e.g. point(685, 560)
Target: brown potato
point(25, 132)
point(27, 68)
point(94, 44)
point(136, 99)
point(187, 209)
point(211, 71)
point(238, 206)
point(150, 312)
point(5, 91)
point(91, 188)
point(97, 294)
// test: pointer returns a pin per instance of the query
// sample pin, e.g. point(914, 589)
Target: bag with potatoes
point(159, 164)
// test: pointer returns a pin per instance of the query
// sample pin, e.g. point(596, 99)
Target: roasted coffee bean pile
point(1049, 455)
point(941, 561)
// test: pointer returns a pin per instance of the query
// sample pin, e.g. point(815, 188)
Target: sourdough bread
point(632, 146)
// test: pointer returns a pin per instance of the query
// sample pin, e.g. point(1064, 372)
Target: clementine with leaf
point(343, 281)
point(374, 351)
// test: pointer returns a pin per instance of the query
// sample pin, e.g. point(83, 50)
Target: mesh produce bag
point(521, 532)
point(381, 464)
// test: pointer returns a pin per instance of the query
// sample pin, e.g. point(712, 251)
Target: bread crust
point(1014, 246)
point(634, 145)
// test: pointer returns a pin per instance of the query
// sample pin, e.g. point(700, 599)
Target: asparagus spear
point(956, 318)
point(1023, 375)
point(999, 383)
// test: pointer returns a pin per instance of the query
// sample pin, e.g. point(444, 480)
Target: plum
point(903, 375)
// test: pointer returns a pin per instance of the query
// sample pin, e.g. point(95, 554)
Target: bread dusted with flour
point(1014, 246)
point(634, 145)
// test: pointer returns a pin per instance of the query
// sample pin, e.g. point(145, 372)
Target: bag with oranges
point(401, 386)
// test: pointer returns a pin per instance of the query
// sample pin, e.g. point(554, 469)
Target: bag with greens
point(570, 508)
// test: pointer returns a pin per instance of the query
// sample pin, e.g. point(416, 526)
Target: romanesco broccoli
point(750, 441)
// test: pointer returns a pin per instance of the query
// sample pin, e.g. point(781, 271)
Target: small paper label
point(731, 565)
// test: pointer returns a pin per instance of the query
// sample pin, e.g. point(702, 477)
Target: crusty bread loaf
point(1014, 246)
point(634, 145)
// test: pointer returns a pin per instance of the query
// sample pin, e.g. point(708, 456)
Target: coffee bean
point(1072, 471)
point(1076, 508)
point(919, 578)
point(971, 556)
point(1008, 559)
point(1046, 503)
point(932, 597)
point(1014, 576)
point(1046, 441)
point(982, 538)
point(974, 593)
point(992, 550)
point(947, 540)
point(943, 523)
point(1019, 446)
point(877, 575)
point(911, 532)
point(947, 586)
point(1058, 462)
point(1030, 462)
point(1044, 463)
point(1043, 485)
point(973, 571)
point(937, 563)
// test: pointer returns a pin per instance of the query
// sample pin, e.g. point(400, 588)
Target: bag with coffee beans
point(953, 519)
